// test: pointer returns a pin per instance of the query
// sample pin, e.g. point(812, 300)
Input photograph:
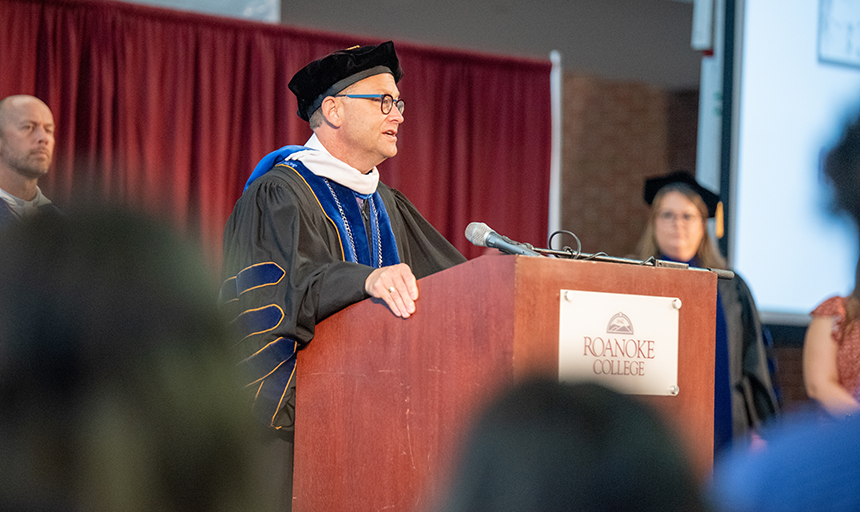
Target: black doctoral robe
point(753, 399)
point(284, 269)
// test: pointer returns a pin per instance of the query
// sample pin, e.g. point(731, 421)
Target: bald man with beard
point(26, 152)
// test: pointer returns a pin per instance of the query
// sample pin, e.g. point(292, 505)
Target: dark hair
point(546, 446)
point(842, 168)
point(117, 388)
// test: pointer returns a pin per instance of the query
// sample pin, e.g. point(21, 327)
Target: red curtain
point(169, 112)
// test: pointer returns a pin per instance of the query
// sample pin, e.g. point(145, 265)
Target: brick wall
point(683, 125)
point(789, 376)
point(615, 134)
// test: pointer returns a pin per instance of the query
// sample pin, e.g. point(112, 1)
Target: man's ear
point(331, 111)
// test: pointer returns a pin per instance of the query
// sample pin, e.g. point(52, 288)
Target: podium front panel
point(383, 403)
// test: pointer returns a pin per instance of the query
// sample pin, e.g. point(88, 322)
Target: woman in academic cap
point(677, 231)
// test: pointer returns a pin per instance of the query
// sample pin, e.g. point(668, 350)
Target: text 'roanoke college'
point(629, 355)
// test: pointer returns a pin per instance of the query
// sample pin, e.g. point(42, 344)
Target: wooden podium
point(383, 403)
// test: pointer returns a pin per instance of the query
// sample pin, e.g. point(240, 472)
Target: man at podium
point(315, 230)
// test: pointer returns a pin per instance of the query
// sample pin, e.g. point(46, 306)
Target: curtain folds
point(169, 112)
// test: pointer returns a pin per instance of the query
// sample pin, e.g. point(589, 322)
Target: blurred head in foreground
point(548, 446)
point(117, 390)
point(842, 168)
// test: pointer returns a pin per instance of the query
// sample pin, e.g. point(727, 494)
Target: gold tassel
point(718, 220)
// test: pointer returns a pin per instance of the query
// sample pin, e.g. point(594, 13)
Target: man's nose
point(42, 134)
point(396, 114)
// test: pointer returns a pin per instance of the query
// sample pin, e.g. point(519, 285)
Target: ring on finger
point(391, 289)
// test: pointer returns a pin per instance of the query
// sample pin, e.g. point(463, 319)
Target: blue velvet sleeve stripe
point(228, 291)
point(258, 275)
point(272, 392)
point(260, 320)
point(250, 278)
point(262, 363)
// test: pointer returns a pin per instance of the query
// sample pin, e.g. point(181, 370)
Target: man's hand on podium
point(396, 285)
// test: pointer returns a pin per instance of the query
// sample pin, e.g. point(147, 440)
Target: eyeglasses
point(685, 218)
point(386, 101)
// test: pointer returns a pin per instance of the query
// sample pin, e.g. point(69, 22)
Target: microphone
point(481, 235)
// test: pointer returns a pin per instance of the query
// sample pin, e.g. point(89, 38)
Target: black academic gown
point(278, 222)
point(753, 398)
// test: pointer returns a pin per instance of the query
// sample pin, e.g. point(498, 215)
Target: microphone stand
point(569, 253)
